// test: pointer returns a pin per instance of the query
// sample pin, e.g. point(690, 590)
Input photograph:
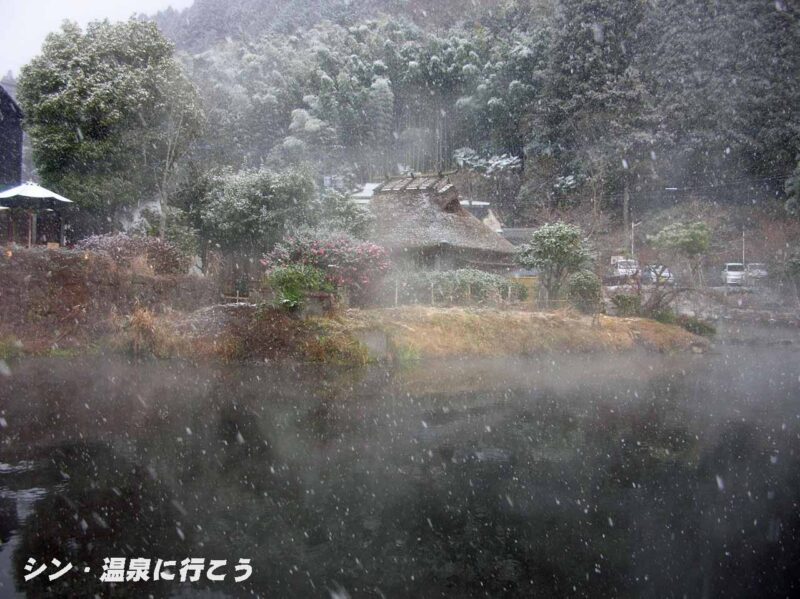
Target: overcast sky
point(25, 23)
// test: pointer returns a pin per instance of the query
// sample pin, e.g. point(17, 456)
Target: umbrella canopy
point(30, 196)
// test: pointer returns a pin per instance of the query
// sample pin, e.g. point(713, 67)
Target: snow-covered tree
point(556, 250)
point(110, 114)
point(251, 210)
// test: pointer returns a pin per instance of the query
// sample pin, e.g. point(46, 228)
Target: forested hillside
point(599, 99)
point(210, 21)
point(608, 106)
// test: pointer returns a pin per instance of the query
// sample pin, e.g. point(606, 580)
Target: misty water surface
point(592, 476)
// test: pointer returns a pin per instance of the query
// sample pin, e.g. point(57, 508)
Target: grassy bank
point(449, 332)
point(241, 332)
point(236, 332)
point(52, 302)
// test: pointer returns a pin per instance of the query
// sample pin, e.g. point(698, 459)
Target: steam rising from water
point(595, 475)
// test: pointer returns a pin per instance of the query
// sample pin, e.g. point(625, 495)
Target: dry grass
point(235, 333)
point(143, 333)
point(450, 332)
point(335, 347)
point(411, 333)
point(69, 300)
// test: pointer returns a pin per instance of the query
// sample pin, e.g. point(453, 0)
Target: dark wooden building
point(10, 141)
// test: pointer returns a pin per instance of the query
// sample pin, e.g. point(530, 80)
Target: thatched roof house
point(421, 219)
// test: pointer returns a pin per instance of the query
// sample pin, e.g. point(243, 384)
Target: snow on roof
point(366, 192)
point(425, 211)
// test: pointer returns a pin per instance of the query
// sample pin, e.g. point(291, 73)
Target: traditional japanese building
point(420, 220)
point(10, 141)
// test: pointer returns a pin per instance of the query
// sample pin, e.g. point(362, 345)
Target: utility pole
point(633, 227)
point(743, 247)
point(626, 204)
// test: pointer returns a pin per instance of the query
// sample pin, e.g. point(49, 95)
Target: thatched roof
point(425, 212)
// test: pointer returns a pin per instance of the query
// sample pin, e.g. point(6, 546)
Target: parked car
point(755, 271)
point(657, 273)
point(625, 268)
point(733, 273)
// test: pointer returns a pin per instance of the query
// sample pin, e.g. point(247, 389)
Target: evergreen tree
point(596, 120)
point(723, 75)
point(110, 113)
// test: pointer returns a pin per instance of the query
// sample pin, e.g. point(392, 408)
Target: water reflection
point(99, 502)
point(653, 477)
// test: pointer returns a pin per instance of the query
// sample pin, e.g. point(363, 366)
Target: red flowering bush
point(349, 264)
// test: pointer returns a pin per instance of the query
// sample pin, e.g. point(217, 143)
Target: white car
point(755, 271)
point(657, 273)
point(625, 268)
point(733, 273)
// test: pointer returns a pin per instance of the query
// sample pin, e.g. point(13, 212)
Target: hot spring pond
point(597, 476)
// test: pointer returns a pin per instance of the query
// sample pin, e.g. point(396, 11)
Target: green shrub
point(585, 290)
point(453, 287)
point(665, 316)
point(691, 324)
point(293, 282)
point(696, 326)
point(519, 292)
point(178, 230)
point(10, 347)
point(350, 265)
point(627, 305)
